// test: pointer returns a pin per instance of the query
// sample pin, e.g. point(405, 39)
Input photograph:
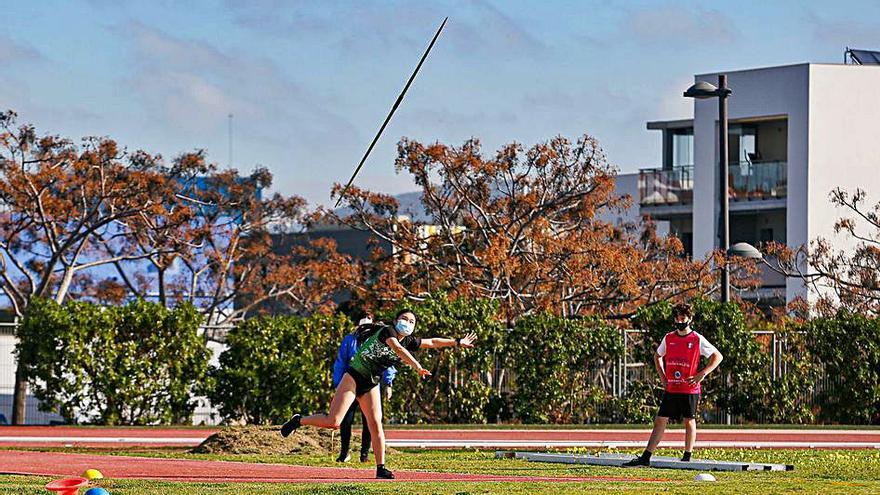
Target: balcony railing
point(758, 180)
point(659, 187)
point(749, 181)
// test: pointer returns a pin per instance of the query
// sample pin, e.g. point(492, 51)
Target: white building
point(796, 133)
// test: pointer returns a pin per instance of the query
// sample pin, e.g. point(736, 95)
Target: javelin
point(388, 118)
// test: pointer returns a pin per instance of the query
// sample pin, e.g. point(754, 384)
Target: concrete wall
point(624, 184)
point(844, 140)
point(33, 415)
point(777, 91)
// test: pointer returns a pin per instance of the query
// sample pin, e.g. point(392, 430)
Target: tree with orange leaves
point(60, 204)
point(841, 278)
point(67, 211)
point(233, 263)
point(523, 227)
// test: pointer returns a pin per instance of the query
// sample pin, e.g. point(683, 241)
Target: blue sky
point(310, 82)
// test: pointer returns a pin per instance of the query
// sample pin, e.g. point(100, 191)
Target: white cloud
point(12, 51)
point(679, 25)
point(191, 86)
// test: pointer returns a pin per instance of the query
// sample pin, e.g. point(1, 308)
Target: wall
point(624, 184)
point(782, 91)
point(33, 415)
point(844, 142)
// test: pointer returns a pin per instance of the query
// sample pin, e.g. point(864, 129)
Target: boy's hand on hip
point(693, 380)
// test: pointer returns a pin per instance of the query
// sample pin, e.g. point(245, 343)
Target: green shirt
point(374, 356)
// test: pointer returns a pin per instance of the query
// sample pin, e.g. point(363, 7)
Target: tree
point(209, 235)
point(524, 228)
point(229, 256)
point(137, 364)
point(59, 204)
point(273, 365)
point(843, 278)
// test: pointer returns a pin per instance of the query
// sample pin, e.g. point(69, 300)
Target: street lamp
point(744, 250)
point(701, 91)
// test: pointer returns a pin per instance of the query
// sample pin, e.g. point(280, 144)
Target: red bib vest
point(682, 360)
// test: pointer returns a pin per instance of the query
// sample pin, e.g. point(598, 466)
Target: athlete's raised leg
point(342, 400)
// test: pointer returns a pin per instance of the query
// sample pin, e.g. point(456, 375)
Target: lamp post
point(703, 90)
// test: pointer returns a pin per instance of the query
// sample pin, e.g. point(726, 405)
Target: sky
point(309, 83)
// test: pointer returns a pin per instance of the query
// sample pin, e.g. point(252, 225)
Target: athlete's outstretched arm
point(404, 354)
point(436, 342)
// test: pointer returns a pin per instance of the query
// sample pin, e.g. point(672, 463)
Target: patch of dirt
point(267, 440)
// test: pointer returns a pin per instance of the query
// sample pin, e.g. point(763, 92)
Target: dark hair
point(403, 312)
point(682, 310)
point(361, 314)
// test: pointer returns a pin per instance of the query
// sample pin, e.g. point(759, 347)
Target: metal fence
point(615, 377)
point(628, 371)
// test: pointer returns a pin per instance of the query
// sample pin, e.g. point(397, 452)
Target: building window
point(682, 148)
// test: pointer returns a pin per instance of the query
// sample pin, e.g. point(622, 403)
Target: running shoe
point(365, 456)
point(291, 425)
point(383, 474)
point(637, 462)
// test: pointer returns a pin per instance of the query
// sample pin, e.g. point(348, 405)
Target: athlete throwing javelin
point(387, 346)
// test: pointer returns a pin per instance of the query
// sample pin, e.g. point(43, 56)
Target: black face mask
point(681, 325)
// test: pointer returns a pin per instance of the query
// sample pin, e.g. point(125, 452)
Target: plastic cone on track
point(67, 486)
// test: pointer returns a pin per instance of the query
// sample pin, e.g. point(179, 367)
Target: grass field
point(825, 471)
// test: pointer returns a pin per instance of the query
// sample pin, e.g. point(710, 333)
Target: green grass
point(816, 471)
point(628, 426)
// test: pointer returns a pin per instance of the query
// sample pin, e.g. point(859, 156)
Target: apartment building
point(796, 132)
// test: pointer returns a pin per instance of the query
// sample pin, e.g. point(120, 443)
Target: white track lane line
point(146, 440)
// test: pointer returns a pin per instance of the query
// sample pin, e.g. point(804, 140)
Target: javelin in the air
point(391, 113)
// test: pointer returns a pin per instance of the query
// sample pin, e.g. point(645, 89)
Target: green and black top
point(374, 356)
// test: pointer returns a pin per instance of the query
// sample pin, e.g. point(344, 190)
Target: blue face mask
point(404, 327)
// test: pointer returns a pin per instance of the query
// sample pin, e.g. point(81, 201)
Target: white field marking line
point(174, 440)
point(575, 443)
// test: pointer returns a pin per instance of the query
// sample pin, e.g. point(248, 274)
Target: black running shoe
point(344, 457)
point(291, 425)
point(637, 462)
point(365, 456)
point(383, 474)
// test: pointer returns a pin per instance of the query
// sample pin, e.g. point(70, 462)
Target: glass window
point(682, 148)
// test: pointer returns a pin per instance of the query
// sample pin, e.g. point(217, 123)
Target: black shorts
point(362, 384)
point(677, 406)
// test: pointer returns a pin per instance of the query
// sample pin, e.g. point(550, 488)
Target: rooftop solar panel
point(864, 57)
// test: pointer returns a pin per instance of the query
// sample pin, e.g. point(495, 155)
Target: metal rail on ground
point(656, 462)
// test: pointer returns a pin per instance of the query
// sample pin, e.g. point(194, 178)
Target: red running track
point(39, 436)
point(120, 467)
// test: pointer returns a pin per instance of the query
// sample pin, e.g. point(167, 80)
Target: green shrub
point(849, 347)
point(460, 388)
point(137, 364)
point(743, 385)
point(275, 366)
point(554, 361)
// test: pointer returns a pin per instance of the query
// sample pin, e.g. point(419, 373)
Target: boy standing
point(678, 361)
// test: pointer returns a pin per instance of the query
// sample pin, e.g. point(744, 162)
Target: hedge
point(137, 364)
